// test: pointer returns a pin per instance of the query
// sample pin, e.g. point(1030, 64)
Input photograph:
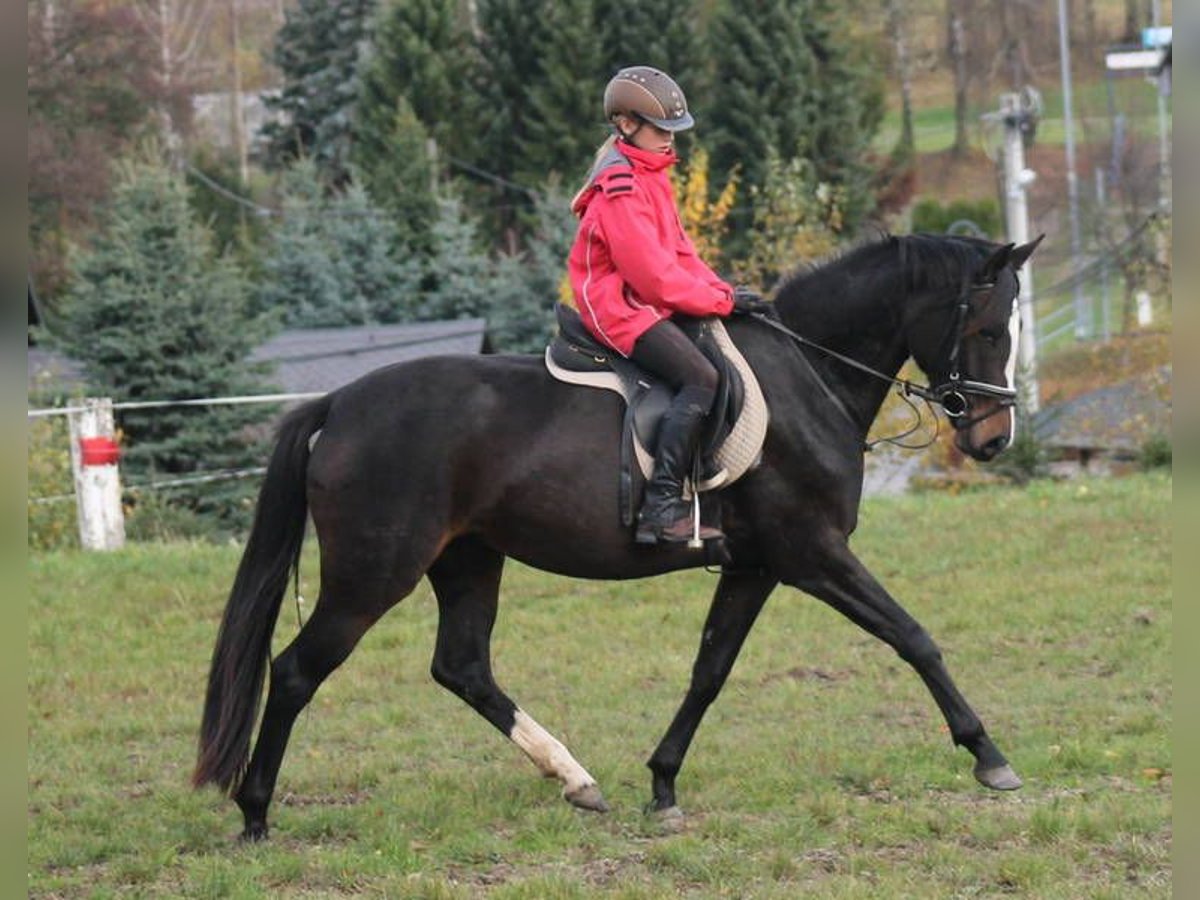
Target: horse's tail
point(242, 652)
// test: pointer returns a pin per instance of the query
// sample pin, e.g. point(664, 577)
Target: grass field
point(823, 770)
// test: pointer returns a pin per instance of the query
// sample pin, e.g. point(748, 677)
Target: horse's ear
point(995, 264)
point(1022, 253)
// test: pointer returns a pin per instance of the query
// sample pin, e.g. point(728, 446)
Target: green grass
point(933, 126)
point(824, 769)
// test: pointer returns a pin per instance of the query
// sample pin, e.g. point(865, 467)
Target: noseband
point(953, 393)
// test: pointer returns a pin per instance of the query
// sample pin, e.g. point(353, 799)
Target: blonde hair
point(601, 152)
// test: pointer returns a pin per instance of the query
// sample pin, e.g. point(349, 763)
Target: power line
point(230, 195)
point(225, 475)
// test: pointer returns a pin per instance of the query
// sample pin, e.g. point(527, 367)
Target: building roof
point(1116, 419)
point(322, 359)
point(307, 360)
point(50, 373)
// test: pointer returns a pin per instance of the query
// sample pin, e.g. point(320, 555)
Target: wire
point(493, 177)
point(226, 475)
point(202, 401)
point(230, 195)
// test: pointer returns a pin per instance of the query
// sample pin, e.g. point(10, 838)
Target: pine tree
point(376, 284)
point(661, 34)
point(413, 86)
point(153, 313)
point(395, 168)
point(526, 285)
point(513, 36)
point(563, 112)
point(333, 258)
point(789, 81)
point(318, 50)
point(418, 52)
point(460, 269)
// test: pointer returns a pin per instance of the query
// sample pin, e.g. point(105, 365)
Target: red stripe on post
point(99, 451)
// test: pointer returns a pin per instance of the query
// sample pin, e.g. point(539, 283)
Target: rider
point(632, 267)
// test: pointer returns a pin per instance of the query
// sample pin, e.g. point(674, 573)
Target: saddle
point(732, 440)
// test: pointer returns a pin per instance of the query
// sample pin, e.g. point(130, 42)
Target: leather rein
point(951, 395)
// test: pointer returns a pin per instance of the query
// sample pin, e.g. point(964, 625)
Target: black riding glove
point(746, 301)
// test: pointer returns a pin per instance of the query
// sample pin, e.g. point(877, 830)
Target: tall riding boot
point(665, 515)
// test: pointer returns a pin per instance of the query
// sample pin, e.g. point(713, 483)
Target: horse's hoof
point(670, 819)
point(1000, 778)
point(587, 797)
point(253, 833)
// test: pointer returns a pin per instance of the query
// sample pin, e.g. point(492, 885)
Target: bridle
point(953, 393)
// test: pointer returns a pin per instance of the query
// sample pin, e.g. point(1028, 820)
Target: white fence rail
point(95, 467)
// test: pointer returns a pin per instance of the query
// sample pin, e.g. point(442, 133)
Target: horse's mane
point(930, 261)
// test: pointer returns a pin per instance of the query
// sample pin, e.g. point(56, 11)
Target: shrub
point(1155, 453)
point(931, 216)
point(1025, 459)
point(50, 525)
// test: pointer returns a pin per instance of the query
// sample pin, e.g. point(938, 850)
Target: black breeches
point(667, 352)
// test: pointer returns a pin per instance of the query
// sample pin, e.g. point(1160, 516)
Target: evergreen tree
point(563, 114)
point(400, 179)
point(318, 51)
point(377, 284)
point(528, 285)
point(789, 81)
point(513, 38)
point(153, 312)
point(460, 269)
point(418, 52)
point(333, 258)
point(663, 34)
point(412, 88)
point(515, 292)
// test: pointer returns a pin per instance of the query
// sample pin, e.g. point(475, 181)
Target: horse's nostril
point(995, 446)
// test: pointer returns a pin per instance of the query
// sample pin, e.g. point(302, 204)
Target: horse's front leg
point(735, 606)
point(836, 576)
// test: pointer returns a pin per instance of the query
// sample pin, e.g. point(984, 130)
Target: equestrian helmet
point(643, 92)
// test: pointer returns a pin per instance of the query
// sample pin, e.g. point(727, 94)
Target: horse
point(445, 466)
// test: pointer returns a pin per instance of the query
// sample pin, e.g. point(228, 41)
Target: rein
point(951, 395)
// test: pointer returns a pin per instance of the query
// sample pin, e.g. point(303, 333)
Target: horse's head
point(969, 351)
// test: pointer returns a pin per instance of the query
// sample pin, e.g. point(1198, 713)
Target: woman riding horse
point(632, 267)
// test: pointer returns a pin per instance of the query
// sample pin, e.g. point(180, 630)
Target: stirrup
point(682, 528)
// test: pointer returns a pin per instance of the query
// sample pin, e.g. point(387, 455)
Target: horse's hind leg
point(321, 646)
point(466, 579)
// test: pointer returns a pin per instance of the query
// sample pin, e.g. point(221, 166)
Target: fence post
point(97, 480)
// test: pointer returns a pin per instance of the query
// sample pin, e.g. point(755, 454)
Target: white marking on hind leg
point(548, 754)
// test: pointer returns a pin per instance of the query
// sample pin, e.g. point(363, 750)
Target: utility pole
point(236, 114)
point(1082, 311)
point(1164, 147)
point(1018, 115)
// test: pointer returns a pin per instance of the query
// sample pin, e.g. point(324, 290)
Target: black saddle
point(648, 397)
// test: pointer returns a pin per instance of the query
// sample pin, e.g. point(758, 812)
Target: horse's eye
point(992, 335)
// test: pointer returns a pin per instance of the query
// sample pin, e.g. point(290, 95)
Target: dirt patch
point(604, 872)
point(807, 673)
point(353, 798)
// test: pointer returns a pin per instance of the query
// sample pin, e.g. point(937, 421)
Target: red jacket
point(632, 264)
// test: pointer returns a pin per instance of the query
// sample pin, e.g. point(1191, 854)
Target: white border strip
point(203, 401)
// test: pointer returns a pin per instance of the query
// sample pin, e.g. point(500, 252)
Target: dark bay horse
point(444, 466)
